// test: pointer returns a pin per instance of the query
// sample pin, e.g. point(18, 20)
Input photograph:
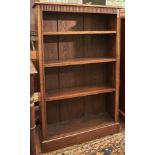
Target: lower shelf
point(77, 92)
point(80, 130)
point(79, 124)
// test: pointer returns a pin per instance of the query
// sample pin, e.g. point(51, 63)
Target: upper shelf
point(77, 61)
point(78, 33)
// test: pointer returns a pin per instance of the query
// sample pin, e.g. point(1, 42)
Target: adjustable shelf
point(77, 92)
point(78, 33)
point(79, 57)
point(77, 61)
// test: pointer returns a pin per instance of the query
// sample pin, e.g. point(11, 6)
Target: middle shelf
point(67, 93)
point(77, 61)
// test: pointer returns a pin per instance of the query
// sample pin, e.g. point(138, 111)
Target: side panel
point(41, 73)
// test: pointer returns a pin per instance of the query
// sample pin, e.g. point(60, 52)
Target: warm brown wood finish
point(33, 72)
point(122, 13)
point(77, 92)
point(122, 61)
point(78, 61)
point(60, 7)
point(41, 72)
point(117, 68)
point(78, 33)
point(79, 66)
point(57, 129)
point(80, 136)
point(32, 22)
point(33, 55)
point(32, 130)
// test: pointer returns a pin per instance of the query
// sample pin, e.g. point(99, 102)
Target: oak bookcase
point(79, 62)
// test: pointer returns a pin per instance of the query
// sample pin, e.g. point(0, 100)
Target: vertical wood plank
point(41, 73)
point(70, 47)
point(51, 48)
point(110, 106)
point(95, 22)
point(71, 109)
point(95, 105)
point(52, 79)
point(70, 22)
point(50, 22)
point(53, 115)
point(117, 68)
point(95, 46)
point(95, 74)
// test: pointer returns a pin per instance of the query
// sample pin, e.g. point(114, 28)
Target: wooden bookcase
point(79, 62)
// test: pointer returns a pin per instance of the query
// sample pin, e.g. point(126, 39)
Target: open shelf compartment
point(80, 114)
point(80, 124)
point(68, 50)
point(75, 81)
point(73, 22)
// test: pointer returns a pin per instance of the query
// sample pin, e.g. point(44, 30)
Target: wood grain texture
point(60, 7)
point(41, 73)
point(117, 68)
point(77, 92)
point(71, 126)
point(50, 22)
point(122, 67)
point(70, 22)
point(95, 22)
point(76, 5)
point(98, 75)
point(32, 17)
point(74, 138)
point(70, 47)
point(64, 110)
point(95, 46)
point(53, 112)
point(110, 106)
point(51, 48)
point(78, 61)
point(79, 72)
point(80, 46)
point(68, 110)
point(94, 105)
point(54, 76)
point(78, 33)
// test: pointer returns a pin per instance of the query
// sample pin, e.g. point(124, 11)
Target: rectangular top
point(84, 5)
point(83, 8)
